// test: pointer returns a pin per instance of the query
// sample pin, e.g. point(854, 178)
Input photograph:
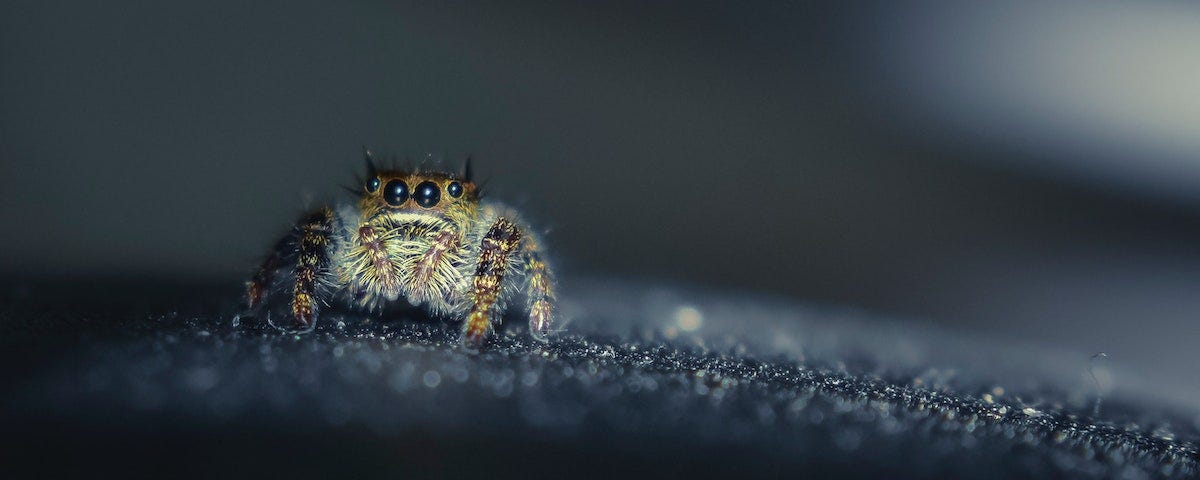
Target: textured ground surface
point(166, 379)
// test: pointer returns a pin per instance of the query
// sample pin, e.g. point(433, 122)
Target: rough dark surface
point(138, 379)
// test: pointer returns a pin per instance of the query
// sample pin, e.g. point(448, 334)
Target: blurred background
point(1022, 171)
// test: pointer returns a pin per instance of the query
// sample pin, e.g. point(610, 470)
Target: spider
point(422, 237)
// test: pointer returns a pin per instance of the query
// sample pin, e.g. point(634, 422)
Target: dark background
point(1019, 171)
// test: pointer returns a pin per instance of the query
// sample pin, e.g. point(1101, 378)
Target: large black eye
point(454, 189)
point(372, 184)
point(395, 192)
point(427, 194)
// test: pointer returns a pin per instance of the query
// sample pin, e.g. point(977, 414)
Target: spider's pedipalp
point(433, 273)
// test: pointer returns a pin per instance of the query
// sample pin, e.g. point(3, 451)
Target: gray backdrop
point(1016, 170)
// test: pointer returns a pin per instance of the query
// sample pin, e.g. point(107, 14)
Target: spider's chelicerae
point(421, 237)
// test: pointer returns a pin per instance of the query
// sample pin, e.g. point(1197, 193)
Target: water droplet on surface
point(689, 318)
point(431, 379)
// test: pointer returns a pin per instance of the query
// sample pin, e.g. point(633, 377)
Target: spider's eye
point(373, 185)
point(395, 192)
point(427, 194)
point(454, 189)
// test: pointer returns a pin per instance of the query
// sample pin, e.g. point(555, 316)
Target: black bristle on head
point(371, 170)
point(467, 169)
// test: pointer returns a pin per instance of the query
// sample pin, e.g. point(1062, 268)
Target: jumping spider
point(422, 237)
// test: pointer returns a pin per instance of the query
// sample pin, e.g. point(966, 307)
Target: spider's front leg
point(498, 243)
point(309, 243)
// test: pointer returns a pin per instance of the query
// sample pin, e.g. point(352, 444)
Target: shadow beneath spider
point(350, 320)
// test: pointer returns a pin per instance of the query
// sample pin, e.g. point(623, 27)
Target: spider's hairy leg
point(501, 240)
point(315, 234)
point(381, 270)
point(259, 286)
point(539, 288)
point(429, 276)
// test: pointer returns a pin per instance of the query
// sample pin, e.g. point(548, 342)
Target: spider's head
point(420, 192)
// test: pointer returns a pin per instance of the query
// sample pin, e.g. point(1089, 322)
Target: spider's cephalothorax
point(425, 238)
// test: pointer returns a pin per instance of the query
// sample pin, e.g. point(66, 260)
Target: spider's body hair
point(456, 256)
point(430, 259)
